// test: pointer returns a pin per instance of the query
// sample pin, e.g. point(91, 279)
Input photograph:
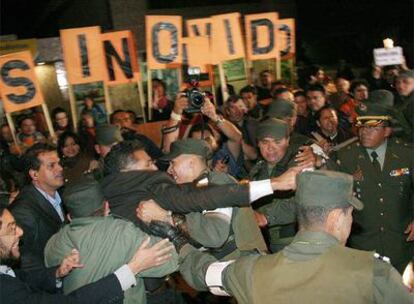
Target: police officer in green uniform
point(104, 242)
point(315, 268)
point(278, 156)
point(382, 167)
point(227, 232)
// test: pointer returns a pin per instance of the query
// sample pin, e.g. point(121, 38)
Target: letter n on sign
point(261, 36)
point(163, 38)
point(121, 57)
point(18, 83)
point(83, 54)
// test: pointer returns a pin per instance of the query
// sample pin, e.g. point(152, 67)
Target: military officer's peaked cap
point(272, 127)
point(84, 197)
point(376, 109)
point(324, 188)
point(188, 146)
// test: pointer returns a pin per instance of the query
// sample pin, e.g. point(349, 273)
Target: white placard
point(389, 56)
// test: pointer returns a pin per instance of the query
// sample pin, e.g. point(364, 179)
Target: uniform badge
point(400, 172)
point(358, 175)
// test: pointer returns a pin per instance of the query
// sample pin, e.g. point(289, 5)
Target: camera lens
point(197, 99)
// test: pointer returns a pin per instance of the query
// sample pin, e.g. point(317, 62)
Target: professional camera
point(193, 93)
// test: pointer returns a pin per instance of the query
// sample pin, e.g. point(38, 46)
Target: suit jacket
point(19, 290)
point(388, 200)
point(39, 221)
point(125, 190)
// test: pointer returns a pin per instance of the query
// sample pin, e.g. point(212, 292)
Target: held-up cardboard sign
point(163, 39)
point(388, 56)
point(83, 54)
point(19, 87)
point(226, 38)
point(199, 27)
point(121, 57)
point(261, 36)
point(287, 38)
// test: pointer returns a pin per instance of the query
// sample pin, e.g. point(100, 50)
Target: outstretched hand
point(150, 256)
point(69, 262)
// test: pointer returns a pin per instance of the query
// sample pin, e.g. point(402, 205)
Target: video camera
point(193, 93)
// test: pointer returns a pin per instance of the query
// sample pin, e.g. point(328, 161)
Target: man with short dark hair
point(28, 135)
point(37, 208)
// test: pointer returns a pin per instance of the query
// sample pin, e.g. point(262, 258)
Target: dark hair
point(22, 118)
point(62, 140)
point(233, 99)
point(121, 156)
point(325, 107)
point(299, 93)
point(248, 89)
point(57, 111)
point(316, 88)
point(309, 216)
point(200, 127)
point(162, 83)
point(358, 82)
point(31, 159)
point(131, 114)
point(280, 91)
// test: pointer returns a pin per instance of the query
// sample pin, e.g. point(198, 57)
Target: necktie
point(375, 162)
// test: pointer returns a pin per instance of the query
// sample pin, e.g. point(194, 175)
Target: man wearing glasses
point(382, 167)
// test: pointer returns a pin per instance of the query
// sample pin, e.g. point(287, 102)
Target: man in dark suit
point(382, 168)
point(40, 286)
point(37, 208)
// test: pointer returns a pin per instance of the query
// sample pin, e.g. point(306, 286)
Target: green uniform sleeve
point(209, 229)
point(280, 211)
point(236, 277)
point(388, 286)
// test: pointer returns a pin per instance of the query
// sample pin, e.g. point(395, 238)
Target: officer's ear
point(106, 208)
point(388, 131)
point(69, 217)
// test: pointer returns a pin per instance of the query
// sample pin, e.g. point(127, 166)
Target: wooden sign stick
point(48, 120)
point(72, 101)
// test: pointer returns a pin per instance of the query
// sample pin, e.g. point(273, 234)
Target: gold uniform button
point(382, 214)
point(382, 229)
point(381, 200)
point(379, 185)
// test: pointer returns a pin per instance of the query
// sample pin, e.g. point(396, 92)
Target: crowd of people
point(275, 195)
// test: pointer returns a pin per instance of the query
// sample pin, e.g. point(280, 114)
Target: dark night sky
point(327, 30)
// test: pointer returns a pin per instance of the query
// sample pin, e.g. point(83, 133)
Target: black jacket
point(39, 221)
point(126, 189)
point(25, 289)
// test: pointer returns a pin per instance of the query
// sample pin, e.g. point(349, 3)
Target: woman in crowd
point(75, 162)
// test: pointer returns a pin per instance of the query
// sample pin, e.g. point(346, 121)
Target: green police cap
point(406, 74)
point(376, 109)
point(281, 108)
point(188, 146)
point(107, 135)
point(83, 198)
point(323, 188)
point(272, 127)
